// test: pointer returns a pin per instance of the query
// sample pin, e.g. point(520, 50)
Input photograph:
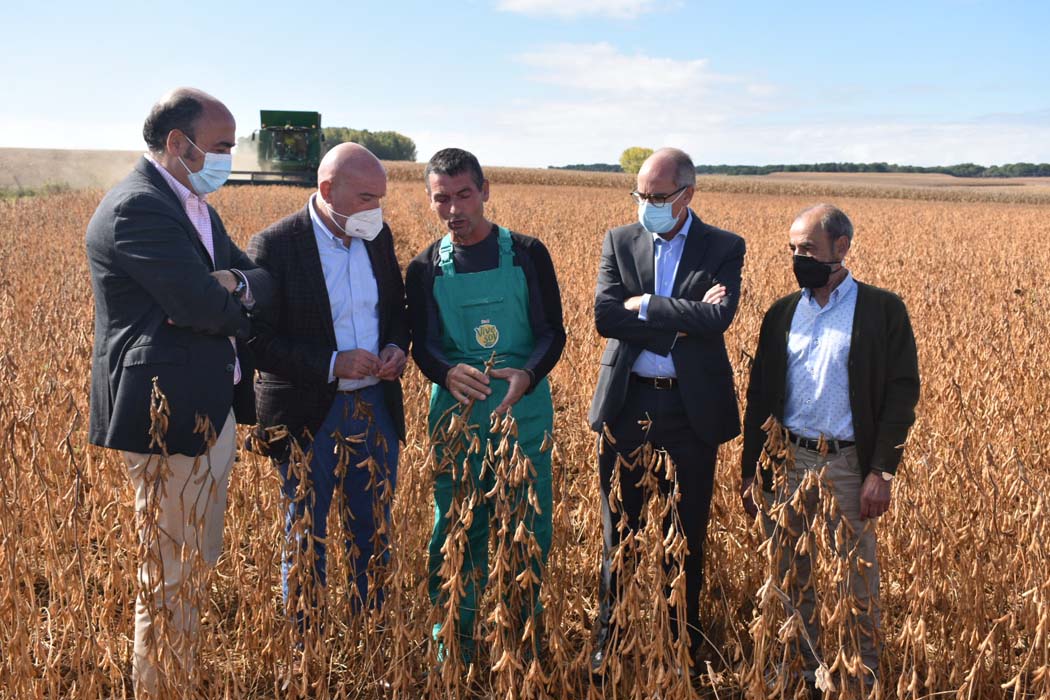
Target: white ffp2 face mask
point(364, 224)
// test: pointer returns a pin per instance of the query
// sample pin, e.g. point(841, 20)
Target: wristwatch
point(242, 284)
point(886, 476)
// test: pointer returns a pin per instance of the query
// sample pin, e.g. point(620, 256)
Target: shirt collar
point(320, 230)
point(181, 191)
point(845, 288)
point(657, 238)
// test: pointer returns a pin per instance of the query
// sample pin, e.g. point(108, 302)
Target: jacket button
point(229, 368)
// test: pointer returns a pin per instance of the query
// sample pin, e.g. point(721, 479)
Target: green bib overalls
point(482, 312)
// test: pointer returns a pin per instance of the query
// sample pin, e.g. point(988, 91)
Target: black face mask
point(810, 272)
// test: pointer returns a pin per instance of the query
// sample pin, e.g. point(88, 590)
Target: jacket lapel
point(860, 313)
point(157, 180)
point(219, 239)
point(312, 272)
point(643, 257)
point(789, 316)
point(692, 254)
point(376, 258)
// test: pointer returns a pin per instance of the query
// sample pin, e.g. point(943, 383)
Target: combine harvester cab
point(288, 148)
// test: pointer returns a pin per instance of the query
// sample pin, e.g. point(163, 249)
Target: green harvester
point(289, 146)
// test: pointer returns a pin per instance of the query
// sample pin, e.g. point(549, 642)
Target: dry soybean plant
point(963, 550)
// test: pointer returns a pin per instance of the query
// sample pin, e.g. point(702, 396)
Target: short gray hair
point(833, 220)
point(685, 171)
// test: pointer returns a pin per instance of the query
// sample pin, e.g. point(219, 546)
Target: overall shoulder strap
point(448, 267)
point(506, 254)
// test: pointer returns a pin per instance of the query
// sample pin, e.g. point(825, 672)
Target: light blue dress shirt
point(666, 256)
point(353, 295)
point(817, 401)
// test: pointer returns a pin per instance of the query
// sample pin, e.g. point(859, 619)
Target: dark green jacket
point(883, 379)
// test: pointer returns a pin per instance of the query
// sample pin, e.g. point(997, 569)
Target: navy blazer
point(711, 256)
point(160, 315)
point(294, 340)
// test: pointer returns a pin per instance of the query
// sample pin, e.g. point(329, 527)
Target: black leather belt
point(655, 382)
point(814, 445)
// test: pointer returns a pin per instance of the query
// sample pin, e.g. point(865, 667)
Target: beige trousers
point(180, 505)
point(854, 545)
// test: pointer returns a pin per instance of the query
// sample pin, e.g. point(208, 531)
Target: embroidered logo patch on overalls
point(486, 334)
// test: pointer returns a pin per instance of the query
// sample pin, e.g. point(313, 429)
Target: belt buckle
point(663, 382)
point(813, 445)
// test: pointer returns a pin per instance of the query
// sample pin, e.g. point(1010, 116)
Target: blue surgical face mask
point(213, 175)
point(658, 218)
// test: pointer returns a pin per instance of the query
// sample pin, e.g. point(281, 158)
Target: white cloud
point(602, 68)
point(599, 100)
point(596, 127)
point(902, 141)
point(612, 99)
point(569, 9)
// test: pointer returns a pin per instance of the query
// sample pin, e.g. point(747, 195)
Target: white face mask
point(364, 224)
point(213, 174)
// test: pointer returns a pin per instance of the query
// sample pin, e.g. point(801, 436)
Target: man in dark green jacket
point(836, 367)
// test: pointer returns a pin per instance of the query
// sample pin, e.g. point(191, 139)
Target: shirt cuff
point(643, 312)
point(532, 381)
point(331, 367)
point(247, 300)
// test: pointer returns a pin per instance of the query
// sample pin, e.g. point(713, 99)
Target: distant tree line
point(959, 170)
point(386, 145)
point(594, 167)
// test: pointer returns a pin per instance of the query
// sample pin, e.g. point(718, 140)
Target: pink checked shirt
point(197, 211)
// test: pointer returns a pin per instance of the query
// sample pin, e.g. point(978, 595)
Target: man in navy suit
point(172, 295)
point(668, 288)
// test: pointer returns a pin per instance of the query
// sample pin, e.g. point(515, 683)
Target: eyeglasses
point(658, 200)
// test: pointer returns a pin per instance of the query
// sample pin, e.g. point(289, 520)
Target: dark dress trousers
point(883, 370)
point(159, 313)
point(688, 421)
point(293, 342)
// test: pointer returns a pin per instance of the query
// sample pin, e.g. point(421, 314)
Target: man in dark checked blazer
point(331, 352)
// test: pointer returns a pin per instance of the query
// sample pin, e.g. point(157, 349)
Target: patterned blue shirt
point(817, 401)
point(666, 256)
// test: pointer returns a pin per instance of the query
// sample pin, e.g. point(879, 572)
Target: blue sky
point(541, 82)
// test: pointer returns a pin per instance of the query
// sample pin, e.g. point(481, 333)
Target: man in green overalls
point(487, 329)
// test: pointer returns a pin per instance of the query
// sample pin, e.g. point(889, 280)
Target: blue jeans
point(341, 432)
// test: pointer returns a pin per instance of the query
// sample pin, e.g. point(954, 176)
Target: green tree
point(632, 158)
point(386, 145)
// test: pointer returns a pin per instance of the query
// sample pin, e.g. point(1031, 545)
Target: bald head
point(349, 160)
point(827, 219)
point(670, 163)
point(183, 109)
point(350, 180)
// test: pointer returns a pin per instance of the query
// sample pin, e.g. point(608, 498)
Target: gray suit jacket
point(711, 256)
point(148, 265)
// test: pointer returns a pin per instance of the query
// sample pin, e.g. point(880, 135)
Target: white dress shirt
point(666, 256)
point(353, 295)
point(817, 401)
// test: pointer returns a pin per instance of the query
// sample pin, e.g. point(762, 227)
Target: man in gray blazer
point(668, 288)
point(171, 297)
